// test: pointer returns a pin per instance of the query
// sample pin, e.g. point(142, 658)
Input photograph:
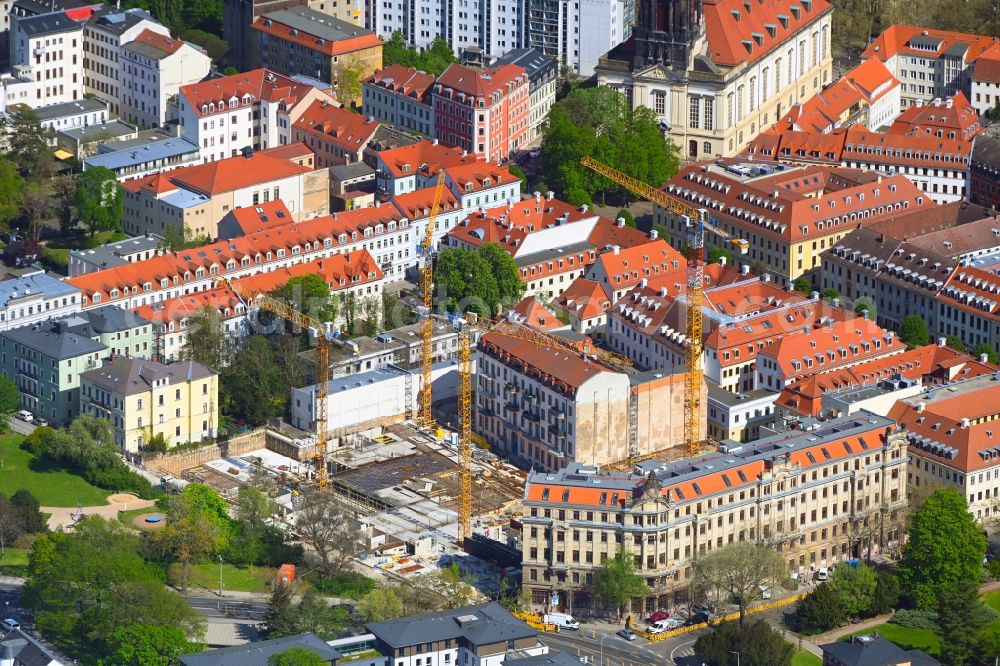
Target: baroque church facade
point(718, 72)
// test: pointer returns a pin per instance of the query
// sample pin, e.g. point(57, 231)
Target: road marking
point(678, 648)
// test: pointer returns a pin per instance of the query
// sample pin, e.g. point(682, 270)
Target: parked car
point(25, 415)
point(765, 592)
point(661, 626)
point(10, 624)
point(658, 615)
point(701, 617)
point(627, 634)
point(823, 574)
point(39, 421)
point(562, 620)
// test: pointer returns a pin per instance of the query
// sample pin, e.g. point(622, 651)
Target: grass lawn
point(52, 485)
point(233, 578)
point(127, 516)
point(992, 599)
point(906, 638)
point(14, 562)
point(806, 658)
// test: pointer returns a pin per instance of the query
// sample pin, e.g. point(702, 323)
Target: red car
point(658, 615)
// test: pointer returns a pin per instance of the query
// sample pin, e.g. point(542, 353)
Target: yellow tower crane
point(465, 433)
point(322, 375)
point(698, 222)
point(426, 418)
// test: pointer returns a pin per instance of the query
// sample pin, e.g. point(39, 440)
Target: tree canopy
point(380, 604)
point(297, 656)
point(206, 341)
point(27, 144)
point(740, 569)
point(465, 282)
point(147, 645)
point(855, 585)
point(100, 200)
point(985, 348)
point(758, 645)
point(505, 271)
point(820, 611)
point(433, 60)
point(12, 188)
point(616, 581)
point(600, 123)
point(945, 546)
point(914, 332)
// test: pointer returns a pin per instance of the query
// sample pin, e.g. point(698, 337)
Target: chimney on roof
point(465, 153)
point(722, 259)
point(643, 283)
point(835, 302)
point(941, 342)
point(765, 278)
point(814, 295)
point(584, 208)
point(248, 152)
point(864, 313)
point(879, 179)
point(538, 196)
point(654, 234)
point(983, 358)
point(744, 269)
point(616, 249)
point(620, 222)
point(806, 329)
point(663, 292)
point(964, 423)
point(434, 142)
point(550, 195)
point(920, 407)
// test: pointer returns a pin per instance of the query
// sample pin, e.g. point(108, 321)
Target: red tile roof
point(564, 370)
point(511, 223)
point(416, 205)
point(269, 25)
point(474, 176)
point(245, 89)
point(235, 173)
point(340, 271)
point(267, 215)
point(743, 32)
point(863, 85)
point(988, 65)
point(952, 115)
point(424, 157)
point(896, 39)
point(478, 84)
point(532, 313)
point(626, 267)
point(401, 80)
point(974, 290)
point(168, 45)
point(584, 299)
point(176, 309)
point(334, 124)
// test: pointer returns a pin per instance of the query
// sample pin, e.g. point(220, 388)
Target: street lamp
point(220, 579)
point(602, 648)
point(737, 656)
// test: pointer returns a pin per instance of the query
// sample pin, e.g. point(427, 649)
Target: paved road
point(23, 427)
point(619, 652)
point(215, 607)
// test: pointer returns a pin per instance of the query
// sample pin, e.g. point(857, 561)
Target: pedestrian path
point(64, 517)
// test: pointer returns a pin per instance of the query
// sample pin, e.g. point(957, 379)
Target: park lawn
point(992, 599)
point(50, 484)
point(127, 516)
point(806, 658)
point(233, 578)
point(906, 638)
point(14, 562)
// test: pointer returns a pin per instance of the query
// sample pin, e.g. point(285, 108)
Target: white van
point(562, 620)
point(823, 574)
point(765, 592)
point(10, 624)
point(661, 626)
point(25, 415)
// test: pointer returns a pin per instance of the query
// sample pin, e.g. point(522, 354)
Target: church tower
point(666, 32)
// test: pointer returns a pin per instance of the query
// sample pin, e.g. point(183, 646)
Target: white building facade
point(154, 67)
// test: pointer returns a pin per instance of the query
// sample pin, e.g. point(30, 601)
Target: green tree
point(315, 615)
point(616, 580)
point(206, 341)
point(961, 617)
point(913, 331)
point(985, 348)
point(99, 200)
point(954, 342)
point(10, 400)
point(504, 269)
point(519, 172)
point(758, 645)
point(27, 144)
point(717, 253)
point(886, 595)
point(863, 304)
point(308, 294)
point(329, 529)
point(380, 604)
point(820, 611)
point(830, 293)
point(372, 309)
point(350, 306)
point(147, 645)
point(465, 281)
point(179, 237)
point(347, 82)
point(434, 59)
point(297, 656)
point(280, 617)
point(803, 285)
point(855, 585)
point(394, 311)
point(11, 192)
point(740, 570)
point(215, 46)
point(624, 214)
point(253, 386)
point(945, 546)
point(28, 510)
point(599, 122)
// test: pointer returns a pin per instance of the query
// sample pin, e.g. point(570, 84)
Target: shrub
point(916, 619)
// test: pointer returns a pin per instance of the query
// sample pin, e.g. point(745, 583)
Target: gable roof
point(424, 157)
point(584, 299)
point(268, 215)
point(477, 84)
point(349, 130)
point(408, 81)
point(533, 313)
point(743, 32)
point(154, 45)
point(316, 31)
point(221, 299)
point(625, 267)
point(482, 624)
point(926, 43)
point(951, 115)
point(245, 89)
point(338, 271)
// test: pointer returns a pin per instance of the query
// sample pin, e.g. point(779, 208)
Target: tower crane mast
point(698, 222)
point(425, 417)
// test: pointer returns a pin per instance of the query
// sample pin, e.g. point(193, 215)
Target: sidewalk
point(835, 634)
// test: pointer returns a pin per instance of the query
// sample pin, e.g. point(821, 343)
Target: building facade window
point(763, 85)
point(709, 113)
point(694, 112)
point(660, 102)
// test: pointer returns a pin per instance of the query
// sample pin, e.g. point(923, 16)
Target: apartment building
point(543, 72)
point(984, 172)
point(545, 407)
point(738, 417)
point(818, 497)
point(821, 394)
point(194, 199)
point(586, 305)
point(823, 349)
point(116, 253)
point(34, 298)
point(104, 38)
point(577, 34)
point(146, 399)
point(867, 95)
point(312, 43)
point(337, 136)
point(789, 217)
point(931, 145)
point(408, 168)
point(620, 269)
point(71, 115)
point(399, 96)
point(931, 64)
point(985, 86)
point(154, 67)
point(254, 109)
point(950, 437)
point(484, 112)
point(717, 74)
point(47, 50)
point(172, 319)
point(415, 208)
